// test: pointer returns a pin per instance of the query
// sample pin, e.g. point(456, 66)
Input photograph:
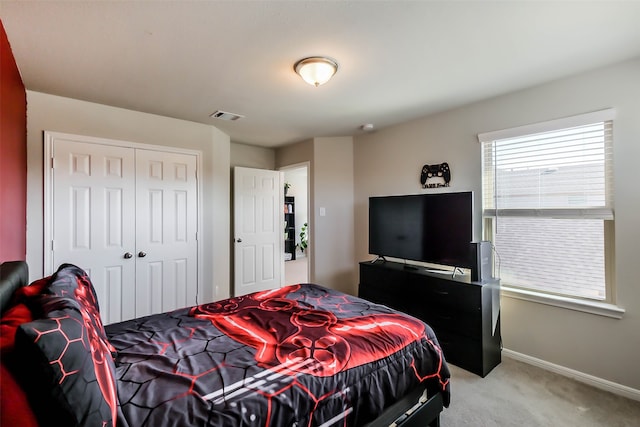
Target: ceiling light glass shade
point(316, 70)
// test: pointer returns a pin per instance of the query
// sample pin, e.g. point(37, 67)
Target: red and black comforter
point(302, 355)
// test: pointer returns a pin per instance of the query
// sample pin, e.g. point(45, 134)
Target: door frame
point(310, 253)
point(48, 165)
point(235, 234)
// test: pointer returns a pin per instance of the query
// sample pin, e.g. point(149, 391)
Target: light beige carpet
point(296, 271)
point(522, 395)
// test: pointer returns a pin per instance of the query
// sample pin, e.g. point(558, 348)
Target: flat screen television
point(435, 228)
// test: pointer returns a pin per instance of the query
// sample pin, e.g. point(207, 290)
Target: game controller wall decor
point(440, 173)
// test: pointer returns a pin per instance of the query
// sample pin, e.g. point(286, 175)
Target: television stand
point(465, 315)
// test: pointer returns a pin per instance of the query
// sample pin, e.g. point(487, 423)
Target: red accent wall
point(13, 156)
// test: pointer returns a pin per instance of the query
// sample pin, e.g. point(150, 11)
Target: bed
point(301, 355)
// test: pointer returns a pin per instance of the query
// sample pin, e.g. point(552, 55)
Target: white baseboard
point(606, 385)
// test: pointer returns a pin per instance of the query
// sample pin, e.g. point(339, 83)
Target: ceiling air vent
point(224, 115)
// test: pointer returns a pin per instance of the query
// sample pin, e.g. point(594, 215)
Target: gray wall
point(54, 113)
point(331, 249)
point(333, 232)
point(249, 156)
point(389, 161)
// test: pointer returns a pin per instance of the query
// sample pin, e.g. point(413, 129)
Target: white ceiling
point(398, 60)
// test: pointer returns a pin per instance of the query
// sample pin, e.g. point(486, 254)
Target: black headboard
point(13, 275)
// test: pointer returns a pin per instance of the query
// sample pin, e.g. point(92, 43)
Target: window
point(548, 205)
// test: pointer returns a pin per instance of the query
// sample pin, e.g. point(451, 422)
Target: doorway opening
point(297, 260)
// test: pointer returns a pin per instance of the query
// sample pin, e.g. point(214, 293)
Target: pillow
point(73, 282)
point(17, 314)
point(34, 289)
point(74, 285)
point(70, 379)
point(71, 376)
point(11, 319)
point(13, 401)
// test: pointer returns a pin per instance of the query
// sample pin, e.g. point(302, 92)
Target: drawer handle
point(442, 292)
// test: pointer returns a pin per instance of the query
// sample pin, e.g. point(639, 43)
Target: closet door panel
point(166, 212)
point(93, 205)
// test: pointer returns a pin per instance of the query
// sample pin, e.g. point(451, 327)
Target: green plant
point(286, 187)
point(303, 237)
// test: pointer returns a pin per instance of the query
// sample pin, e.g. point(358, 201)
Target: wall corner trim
point(600, 383)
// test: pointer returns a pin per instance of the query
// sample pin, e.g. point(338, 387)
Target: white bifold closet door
point(128, 216)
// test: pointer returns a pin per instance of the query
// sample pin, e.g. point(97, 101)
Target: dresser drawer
point(458, 322)
point(388, 278)
point(455, 296)
point(371, 293)
point(462, 351)
point(382, 295)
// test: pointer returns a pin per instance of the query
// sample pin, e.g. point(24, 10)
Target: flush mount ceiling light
point(316, 70)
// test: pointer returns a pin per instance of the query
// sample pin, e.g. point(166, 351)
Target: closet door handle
point(142, 254)
point(239, 240)
point(128, 255)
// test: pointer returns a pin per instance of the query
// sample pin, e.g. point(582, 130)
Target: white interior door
point(93, 199)
point(129, 217)
point(258, 230)
point(166, 231)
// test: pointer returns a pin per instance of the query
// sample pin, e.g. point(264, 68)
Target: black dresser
point(465, 315)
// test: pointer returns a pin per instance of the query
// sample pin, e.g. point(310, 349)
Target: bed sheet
point(302, 355)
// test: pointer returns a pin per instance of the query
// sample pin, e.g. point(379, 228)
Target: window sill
point(593, 307)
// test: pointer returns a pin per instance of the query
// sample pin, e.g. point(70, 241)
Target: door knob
point(142, 254)
point(239, 240)
point(128, 255)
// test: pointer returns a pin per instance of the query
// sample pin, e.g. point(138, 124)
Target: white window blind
point(546, 198)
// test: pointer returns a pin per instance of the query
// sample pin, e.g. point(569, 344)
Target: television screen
point(435, 228)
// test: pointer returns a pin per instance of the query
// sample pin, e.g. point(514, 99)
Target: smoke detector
point(225, 115)
point(367, 127)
